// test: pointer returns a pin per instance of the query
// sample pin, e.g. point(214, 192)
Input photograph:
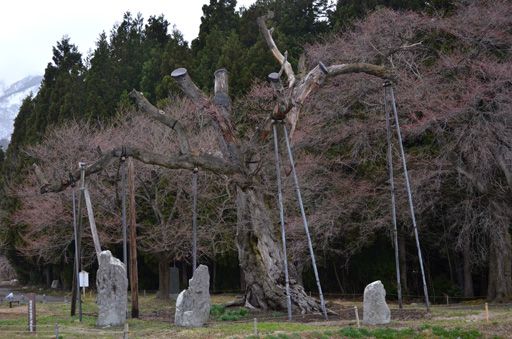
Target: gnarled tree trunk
point(260, 253)
point(468, 277)
point(500, 264)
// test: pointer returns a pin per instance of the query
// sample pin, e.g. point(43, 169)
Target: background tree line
point(453, 93)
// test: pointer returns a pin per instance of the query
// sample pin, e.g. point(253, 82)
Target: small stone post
point(31, 312)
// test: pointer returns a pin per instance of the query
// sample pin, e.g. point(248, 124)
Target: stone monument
point(112, 286)
point(193, 304)
point(375, 309)
point(55, 284)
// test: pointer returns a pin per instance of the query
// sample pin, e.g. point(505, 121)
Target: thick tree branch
point(180, 75)
point(183, 161)
point(222, 113)
point(160, 116)
point(375, 70)
point(273, 48)
point(290, 108)
point(290, 102)
point(219, 109)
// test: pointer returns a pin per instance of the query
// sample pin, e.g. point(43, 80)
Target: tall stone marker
point(193, 304)
point(375, 309)
point(112, 286)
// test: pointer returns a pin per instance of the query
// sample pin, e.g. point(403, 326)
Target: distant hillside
point(10, 101)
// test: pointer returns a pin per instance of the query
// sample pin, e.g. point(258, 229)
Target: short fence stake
point(357, 317)
point(126, 330)
point(255, 326)
point(447, 299)
point(487, 312)
point(44, 298)
point(144, 293)
point(56, 331)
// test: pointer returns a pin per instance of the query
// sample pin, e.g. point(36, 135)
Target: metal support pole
point(81, 165)
point(281, 218)
point(194, 220)
point(409, 195)
point(77, 259)
point(393, 203)
point(305, 221)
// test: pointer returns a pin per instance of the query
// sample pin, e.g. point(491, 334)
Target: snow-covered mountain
point(11, 97)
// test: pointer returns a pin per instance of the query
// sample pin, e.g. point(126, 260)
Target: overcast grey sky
point(29, 28)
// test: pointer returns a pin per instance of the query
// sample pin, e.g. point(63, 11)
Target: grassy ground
point(459, 321)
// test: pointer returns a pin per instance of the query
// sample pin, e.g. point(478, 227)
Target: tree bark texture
point(261, 257)
point(468, 278)
point(403, 263)
point(163, 278)
point(500, 264)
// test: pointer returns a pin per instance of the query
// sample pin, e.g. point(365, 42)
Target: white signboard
point(83, 277)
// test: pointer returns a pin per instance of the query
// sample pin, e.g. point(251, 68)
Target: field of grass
point(460, 321)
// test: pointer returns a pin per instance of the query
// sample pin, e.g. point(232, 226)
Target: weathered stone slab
point(55, 284)
point(375, 309)
point(112, 286)
point(193, 304)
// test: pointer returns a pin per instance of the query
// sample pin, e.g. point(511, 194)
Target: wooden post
point(134, 274)
point(357, 317)
point(92, 223)
point(486, 312)
point(126, 331)
point(255, 326)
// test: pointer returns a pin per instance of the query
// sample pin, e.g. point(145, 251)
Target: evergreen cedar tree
point(453, 93)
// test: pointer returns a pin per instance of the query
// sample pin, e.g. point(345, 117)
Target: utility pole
point(134, 275)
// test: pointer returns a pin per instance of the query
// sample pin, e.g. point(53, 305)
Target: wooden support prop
point(134, 274)
point(126, 331)
point(92, 223)
point(357, 317)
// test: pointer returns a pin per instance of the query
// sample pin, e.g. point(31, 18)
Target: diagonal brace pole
point(304, 221)
point(194, 220)
point(281, 218)
point(393, 203)
point(409, 195)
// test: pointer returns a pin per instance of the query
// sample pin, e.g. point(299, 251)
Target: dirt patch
point(13, 313)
